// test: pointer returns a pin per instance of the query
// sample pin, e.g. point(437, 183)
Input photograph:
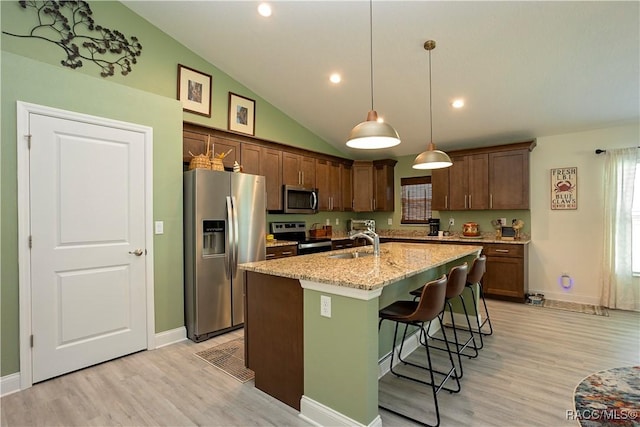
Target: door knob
point(137, 252)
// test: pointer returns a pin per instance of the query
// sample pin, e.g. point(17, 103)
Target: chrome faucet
point(371, 236)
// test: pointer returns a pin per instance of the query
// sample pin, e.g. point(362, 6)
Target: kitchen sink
point(351, 255)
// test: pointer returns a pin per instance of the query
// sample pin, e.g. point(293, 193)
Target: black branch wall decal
point(64, 23)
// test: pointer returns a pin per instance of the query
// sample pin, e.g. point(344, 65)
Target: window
point(635, 223)
point(416, 199)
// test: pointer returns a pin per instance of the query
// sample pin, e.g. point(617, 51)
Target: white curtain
point(618, 289)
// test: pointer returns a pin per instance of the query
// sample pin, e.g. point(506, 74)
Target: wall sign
point(564, 188)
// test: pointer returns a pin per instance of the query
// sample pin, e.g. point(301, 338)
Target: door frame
point(24, 109)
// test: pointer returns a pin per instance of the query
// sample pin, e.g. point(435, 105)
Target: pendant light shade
point(372, 134)
point(432, 158)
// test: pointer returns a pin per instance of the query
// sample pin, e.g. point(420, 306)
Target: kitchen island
point(311, 324)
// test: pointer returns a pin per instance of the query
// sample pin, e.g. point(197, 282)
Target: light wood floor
point(525, 376)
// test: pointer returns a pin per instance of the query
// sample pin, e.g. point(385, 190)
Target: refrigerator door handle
point(234, 265)
point(228, 254)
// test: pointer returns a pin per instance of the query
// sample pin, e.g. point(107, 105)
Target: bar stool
point(417, 313)
point(456, 282)
point(474, 277)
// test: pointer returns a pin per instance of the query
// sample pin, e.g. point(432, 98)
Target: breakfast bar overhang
point(311, 327)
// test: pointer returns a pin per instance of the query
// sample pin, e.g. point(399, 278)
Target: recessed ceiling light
point(335, 78)
point(264, 9)
point(458, 103)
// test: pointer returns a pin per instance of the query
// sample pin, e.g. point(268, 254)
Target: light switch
point(159, 227)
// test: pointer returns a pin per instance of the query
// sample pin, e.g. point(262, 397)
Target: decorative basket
point(317, 231)
point(216, 164)
point(202, 161)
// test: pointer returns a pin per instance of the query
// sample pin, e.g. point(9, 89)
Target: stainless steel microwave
point(300, 200)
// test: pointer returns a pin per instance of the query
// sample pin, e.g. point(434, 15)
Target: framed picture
point(564, 188)
point(194, 91)
point(242, 114)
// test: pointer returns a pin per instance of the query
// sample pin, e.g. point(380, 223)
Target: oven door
point(315, 247)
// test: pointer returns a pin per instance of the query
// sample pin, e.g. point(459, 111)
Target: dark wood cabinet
point(275, 252)
point(373, 185)
point(507, 275)
point(509, 179)
point(267, 162)
point(362, 186)
point(328, 184)
point(346, 187)
point(298, 170)
point(468, 182)
point(485, 178)
point(274, 346)
point(384, 194)
point(196, 143)
point(342, 244)
point(440, 189)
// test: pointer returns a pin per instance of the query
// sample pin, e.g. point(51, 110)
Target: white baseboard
point(11, 383)
point(171, 337)
point(320, 415)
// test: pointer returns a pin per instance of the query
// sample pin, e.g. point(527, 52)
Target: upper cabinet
point(265, 161)
point(486, 178)
point(509, 179)
point(468, 182)
point(328, 182)
point(280, 164)
point(373, 185)
point(195, 143)
point(298, 169)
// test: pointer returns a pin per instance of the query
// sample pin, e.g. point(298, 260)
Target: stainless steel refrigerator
point(224, 225)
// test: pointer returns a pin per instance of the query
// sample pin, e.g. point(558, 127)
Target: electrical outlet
point(325, 306)
point(337, 221)
point(389, 221)
point(452, 221)
point(327, 222)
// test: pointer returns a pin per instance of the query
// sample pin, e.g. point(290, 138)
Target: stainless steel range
point(296, 231)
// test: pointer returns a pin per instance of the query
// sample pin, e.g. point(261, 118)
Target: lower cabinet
point(274, 252)
point(507, 275)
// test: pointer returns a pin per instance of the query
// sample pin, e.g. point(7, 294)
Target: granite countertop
point(487, 237)
point(397, 261)
point(274, 243)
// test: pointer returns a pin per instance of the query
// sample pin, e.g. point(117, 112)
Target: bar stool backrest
point(431, 301)
point(457, 280)
point(477, 270)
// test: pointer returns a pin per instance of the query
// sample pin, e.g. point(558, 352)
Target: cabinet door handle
point(286, 252)
point(446, 202)
point(465, 201)
point(270, 255)
point(375, 205)
point(469, 201)
point(371, 204)
point(490, 201)
point(503, 251)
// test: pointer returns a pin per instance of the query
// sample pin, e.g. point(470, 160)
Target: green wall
point(31, 72)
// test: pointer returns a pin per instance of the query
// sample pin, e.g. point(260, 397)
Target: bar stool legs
point(417, 313)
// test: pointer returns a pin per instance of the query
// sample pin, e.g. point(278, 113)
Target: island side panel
point(341, 355)
point(274, 335)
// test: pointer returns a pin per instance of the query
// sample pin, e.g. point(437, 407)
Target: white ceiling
point(525, 69)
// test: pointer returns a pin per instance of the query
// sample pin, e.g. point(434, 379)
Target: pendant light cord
point(371, 47)
point(430, 103)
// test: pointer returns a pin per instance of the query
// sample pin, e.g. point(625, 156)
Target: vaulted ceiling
point(524, 69)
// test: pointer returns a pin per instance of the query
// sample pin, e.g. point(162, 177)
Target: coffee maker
point(434, 226)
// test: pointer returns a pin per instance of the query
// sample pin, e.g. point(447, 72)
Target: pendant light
point(372, 134)
point(432, 158)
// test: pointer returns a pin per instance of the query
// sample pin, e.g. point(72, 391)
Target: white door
point(88, 244)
